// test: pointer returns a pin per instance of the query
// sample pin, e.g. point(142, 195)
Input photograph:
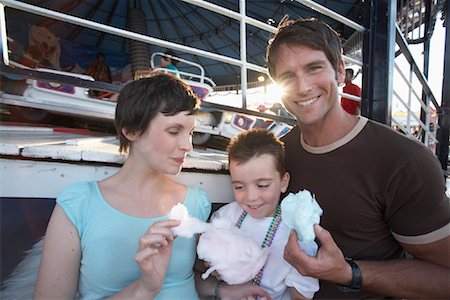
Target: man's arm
point(426, 275)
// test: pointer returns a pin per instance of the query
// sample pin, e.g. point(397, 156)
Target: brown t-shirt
point(375, 187)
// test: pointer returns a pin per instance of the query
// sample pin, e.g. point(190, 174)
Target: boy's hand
point(245, 291)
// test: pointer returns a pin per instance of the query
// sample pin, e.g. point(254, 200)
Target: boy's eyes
point(259, 185)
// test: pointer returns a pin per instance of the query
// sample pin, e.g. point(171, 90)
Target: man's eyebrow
point(308, 65)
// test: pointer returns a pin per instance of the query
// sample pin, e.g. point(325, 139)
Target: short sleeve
point(198, 204)
point(74, 202)
point(418, 204)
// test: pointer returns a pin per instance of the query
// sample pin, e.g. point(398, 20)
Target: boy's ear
point(285, 181)
point(131, 136)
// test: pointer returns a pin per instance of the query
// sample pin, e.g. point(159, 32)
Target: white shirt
point(278, 274)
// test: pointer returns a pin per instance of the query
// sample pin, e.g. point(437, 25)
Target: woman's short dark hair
point(140, 101)
point(254, 143)
point(312, 33)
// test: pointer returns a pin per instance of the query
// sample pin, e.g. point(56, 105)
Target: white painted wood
point(42, 179)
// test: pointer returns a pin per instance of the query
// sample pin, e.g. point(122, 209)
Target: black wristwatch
point(355, 286)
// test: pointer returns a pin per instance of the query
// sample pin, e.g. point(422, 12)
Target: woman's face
point(165, 61)
point(165, 143)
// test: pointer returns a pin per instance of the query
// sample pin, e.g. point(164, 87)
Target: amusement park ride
point(53, 132)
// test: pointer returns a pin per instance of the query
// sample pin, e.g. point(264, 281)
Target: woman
point(112, 238)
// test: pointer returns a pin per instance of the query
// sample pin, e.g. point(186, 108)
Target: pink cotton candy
point(236, 256)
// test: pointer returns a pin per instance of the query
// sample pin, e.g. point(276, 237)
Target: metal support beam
point(444, 118)
point(378, 59)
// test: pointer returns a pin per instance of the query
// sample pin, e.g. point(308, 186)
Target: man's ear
point(131, 136)
point(340, 76)
point(285, 182)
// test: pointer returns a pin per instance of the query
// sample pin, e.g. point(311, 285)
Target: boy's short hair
point(140, 101)
point(312, 33)
point(350, 72)
point(255, 142)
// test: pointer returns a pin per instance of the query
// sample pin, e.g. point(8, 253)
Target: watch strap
point(356, 283)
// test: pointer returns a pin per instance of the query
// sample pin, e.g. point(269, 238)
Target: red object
point(351, 106)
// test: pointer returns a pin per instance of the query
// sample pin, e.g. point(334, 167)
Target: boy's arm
point(212, 287)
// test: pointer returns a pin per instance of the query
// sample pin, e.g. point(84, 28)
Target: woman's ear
point(285, 181)
point(131, 136)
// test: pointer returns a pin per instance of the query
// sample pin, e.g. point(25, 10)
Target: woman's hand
point(153, 254)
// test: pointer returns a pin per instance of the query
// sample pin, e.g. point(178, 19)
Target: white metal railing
point(241, 16)
point(409, 122)
point(430, 136)
point(188, 75)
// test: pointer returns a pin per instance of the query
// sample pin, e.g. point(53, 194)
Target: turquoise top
point(175, 69)
point(109, 240)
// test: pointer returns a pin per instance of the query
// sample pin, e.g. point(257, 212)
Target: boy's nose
point(252, 195)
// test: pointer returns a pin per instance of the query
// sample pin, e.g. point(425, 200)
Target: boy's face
point(257, 185)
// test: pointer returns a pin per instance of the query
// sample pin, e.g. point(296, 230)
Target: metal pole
point(378, 53)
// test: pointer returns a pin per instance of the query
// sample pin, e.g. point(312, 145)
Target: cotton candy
point(235, 255)
point(300, 212)
point(188, 225)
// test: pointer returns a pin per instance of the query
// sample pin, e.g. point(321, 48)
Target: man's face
point(310, 82)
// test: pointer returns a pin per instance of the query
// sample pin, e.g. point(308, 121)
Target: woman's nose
point(186, 143)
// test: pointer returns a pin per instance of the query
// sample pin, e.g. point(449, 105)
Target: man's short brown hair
point(311, 33)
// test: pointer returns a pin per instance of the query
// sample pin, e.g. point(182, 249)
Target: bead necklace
point(270, 234)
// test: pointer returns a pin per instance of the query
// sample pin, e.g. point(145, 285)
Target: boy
point(258, 176)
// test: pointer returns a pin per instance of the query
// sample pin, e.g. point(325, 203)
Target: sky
point(437, 47)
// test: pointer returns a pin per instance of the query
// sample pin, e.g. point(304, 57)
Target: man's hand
point(329, 263)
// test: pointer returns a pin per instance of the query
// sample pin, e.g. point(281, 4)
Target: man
point(382, 194)
point(351, 106)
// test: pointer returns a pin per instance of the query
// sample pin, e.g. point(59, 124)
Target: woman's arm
point(153, 256)
point(60, 262)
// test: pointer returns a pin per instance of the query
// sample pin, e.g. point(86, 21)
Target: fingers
point(144, 254)
point(165, 224)
point(297, 257)
point(159, 234)
point(262, 293)
point(155, 240)
point(324, 236)
point(292, 248)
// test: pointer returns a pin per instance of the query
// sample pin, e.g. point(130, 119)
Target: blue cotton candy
point(300, 212)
